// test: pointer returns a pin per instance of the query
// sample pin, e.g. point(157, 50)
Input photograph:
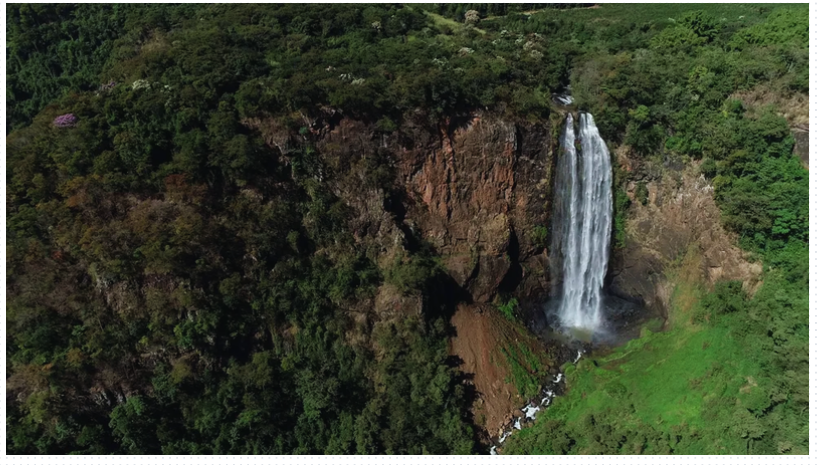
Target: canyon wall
point(476, 189)
point(679, 216)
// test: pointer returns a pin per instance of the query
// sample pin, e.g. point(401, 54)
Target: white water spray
point(583, 219)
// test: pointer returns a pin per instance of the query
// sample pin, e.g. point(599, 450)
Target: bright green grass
point(690, 383)
point(526, 381)
point(527, 368)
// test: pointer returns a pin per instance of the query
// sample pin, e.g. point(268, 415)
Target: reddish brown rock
point(473, 188)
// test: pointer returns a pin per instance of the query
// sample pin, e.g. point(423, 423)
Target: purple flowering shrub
point(65, 121)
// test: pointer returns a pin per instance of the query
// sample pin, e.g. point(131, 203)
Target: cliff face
point(680, 216)
point(477, 191)
point(473, 189)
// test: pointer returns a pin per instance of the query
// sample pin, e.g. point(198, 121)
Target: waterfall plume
point(582, 225)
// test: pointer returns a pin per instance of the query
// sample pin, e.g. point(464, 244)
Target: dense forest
point(178, 284)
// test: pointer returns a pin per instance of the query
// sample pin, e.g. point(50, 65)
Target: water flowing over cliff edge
point(582, 225)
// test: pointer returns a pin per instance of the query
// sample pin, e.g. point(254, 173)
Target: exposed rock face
point(473, 189)
point(476, 190)
point(680, 213)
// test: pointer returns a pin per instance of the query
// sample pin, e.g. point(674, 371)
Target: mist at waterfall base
point(583, 221)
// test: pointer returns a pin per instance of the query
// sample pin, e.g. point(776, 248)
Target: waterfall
point(582, 224)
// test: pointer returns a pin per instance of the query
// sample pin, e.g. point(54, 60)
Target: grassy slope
point(670, 378)
point(693, 382)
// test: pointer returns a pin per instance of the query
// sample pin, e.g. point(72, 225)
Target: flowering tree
point(67, 120)
point(140, 84)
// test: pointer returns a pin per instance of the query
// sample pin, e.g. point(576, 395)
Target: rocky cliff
point(473, 188)
point(679, 215)
point(476, 190)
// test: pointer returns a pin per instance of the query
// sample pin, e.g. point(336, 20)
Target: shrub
point(642, 192)
point(708, 168)
point(676, 39)
point(539, 236)
point(411, 273)
point(727, 297)
point(65, 121)
point(508, 309)
point(701, 23)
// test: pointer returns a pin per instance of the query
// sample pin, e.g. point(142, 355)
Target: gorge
point(388, 229)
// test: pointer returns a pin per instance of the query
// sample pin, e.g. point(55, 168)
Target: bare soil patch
point(482, 333)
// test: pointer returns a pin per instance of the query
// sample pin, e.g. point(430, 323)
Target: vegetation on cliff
point(174, 284)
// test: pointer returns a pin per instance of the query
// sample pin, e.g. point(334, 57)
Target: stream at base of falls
point(553, 387)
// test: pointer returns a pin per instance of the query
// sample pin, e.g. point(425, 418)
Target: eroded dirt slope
point(482, 334)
